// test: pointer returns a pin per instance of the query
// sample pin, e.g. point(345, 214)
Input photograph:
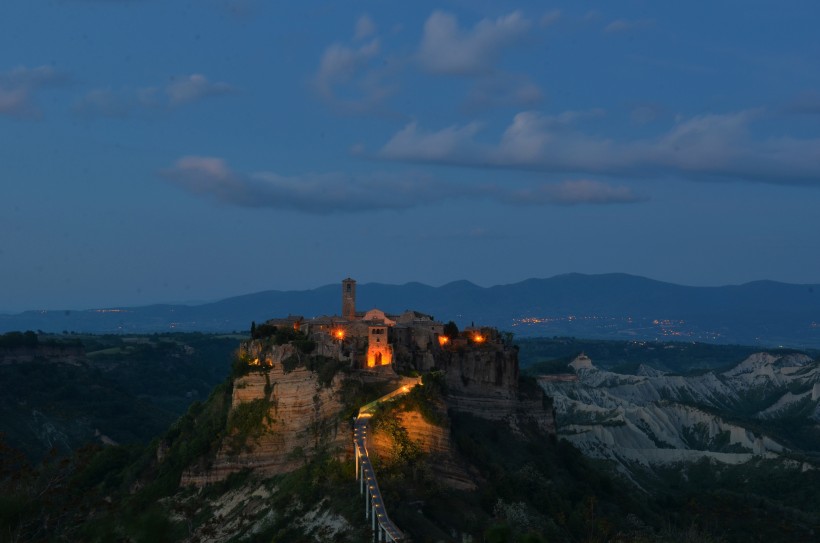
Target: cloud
point(504, 90)
point(310, 193)
point(365, 27)
point(104, 103)
point(807, 103)
point(182, 90)
point(411, 143)
point(351, 77)
point(592, 16)
point(19, 86)
point(624, 25)
point(447, 49)
point(341, 63)
point(575, 192)
point(712, 145)
point(645, 113)
point(550, 18)
point(328, 193)
point(194, 87)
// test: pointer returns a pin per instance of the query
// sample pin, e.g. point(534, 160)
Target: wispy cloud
point(365, 27)
point(447, 49)
point(328, 193)
point(719, 145)
point(194, 87)
point(181, 90)
point(351, 77)
point(318, 193)
point(503, 90)
point(625, 25)
point(807, 103)
point(445, 145)
point(19, 86)
point(575, 192)
point(550, 18)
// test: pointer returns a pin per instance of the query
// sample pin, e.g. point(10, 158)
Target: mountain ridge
point(615, 305)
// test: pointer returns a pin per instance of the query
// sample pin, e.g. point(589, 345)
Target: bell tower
point(349, 299)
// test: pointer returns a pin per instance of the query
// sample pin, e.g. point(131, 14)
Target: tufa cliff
point(280, 415)
point(287, 405)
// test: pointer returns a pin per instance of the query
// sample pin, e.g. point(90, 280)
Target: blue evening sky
point(169, 150)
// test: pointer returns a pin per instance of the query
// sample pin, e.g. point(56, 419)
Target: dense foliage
point(12, 340)
point(128, 388)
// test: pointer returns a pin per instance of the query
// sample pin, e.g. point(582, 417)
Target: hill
point(614, 306)
point(64, 392)
point(470, 455)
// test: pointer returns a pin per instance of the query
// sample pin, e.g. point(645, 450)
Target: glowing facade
point(370, 338)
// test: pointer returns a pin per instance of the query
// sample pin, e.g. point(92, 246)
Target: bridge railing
point(383, 528)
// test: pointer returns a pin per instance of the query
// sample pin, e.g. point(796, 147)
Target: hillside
point(615, 306)
point(471, 455)
point(767, 406)
point(64, 392)
point(749, 432)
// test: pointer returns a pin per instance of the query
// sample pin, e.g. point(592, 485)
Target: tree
point(451, 330)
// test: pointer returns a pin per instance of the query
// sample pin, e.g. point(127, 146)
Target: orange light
point(478, 338)
point(443, 340)
point(340, 334)
point(376, 357)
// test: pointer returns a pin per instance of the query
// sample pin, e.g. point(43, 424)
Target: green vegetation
point(427, 400)
point(248, 421)
point(71, 496)
point(14, 340)
point(280, 335)
point(404, 451)
point(531, 487)
point(326, 368)
point(127, 388)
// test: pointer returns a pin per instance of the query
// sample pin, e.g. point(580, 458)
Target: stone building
point(369, 339)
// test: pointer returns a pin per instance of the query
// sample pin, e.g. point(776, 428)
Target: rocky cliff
point(484, 382)
point(655, 418)
point(433, 440)
point(297, 414)
point(288, 408)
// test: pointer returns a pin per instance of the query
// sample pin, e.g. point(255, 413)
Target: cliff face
point(302, 417)
point(483, 382)
point(433, 440)
point(298, 411)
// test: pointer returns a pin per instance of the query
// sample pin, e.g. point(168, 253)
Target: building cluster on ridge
point(378, 334)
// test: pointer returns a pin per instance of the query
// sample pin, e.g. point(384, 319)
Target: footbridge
point(383, 528)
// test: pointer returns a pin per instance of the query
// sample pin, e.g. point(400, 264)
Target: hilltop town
point(375, 340)
point(298, 368)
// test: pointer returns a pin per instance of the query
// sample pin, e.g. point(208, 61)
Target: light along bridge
point(383, 528)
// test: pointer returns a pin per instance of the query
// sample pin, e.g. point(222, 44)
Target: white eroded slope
point(654, 417)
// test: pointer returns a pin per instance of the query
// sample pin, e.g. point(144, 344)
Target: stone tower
point(349, 299)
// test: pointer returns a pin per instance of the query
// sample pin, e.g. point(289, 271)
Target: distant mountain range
point(596, 306)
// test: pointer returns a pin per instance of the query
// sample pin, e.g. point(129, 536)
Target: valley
point(659, 442)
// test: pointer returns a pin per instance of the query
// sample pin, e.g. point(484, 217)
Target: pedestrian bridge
point(383, 528)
